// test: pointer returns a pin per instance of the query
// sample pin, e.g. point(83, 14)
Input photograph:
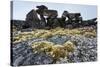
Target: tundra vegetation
point(56, 51)
point(42, 33)
point(76, 36)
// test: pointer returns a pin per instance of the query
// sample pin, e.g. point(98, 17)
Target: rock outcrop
point(32, 20)
point(74, 20)
point(22, 55)
point(85, 51)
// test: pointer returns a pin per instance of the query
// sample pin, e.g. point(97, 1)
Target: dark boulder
point(18, 24)
point(32, 20)
point(90, 22)
point(40, 11)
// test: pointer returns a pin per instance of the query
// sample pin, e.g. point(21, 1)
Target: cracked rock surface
point(85, 51)
point(22, 54)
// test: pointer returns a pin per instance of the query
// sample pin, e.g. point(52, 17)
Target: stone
point(22, 54)
point(18, 24)
point(74, 19)
point(32, 15)
point(58, 39)
point(50, 14)
point(86, 50)
point(32, 20)
point(40, 11)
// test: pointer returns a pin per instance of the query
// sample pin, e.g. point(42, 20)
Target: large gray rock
point(58, 39)
point(32, 20)
point(22, 54)
point(32, 15)
point(86, 50)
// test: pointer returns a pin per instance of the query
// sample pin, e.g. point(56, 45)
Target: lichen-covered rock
point(62, 60)
point(56, 51)
point(22, 54)
point(57, 39)
point(42, 46)
point(69, 46)
point(85, 51)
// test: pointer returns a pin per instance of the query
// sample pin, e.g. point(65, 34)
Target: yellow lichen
point(56, 51)
point(69, 46)
point(89, 34)
point(14, 28)
point(42, 46)
point(42, 33)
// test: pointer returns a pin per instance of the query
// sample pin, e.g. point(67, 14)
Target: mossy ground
point(56, 51)
point(42, 33)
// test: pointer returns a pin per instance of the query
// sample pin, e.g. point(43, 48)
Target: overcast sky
point(21, 8)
